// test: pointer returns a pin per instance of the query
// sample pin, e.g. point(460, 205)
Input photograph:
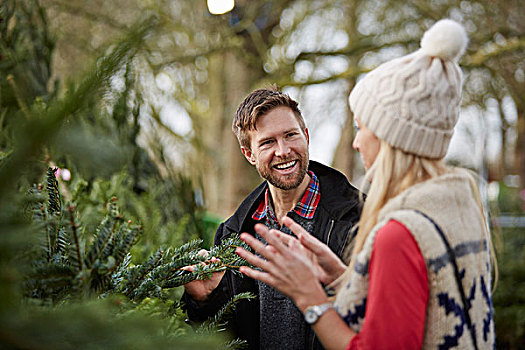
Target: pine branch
point(104, 267)
point(102, 238)
point(172, 274)
point(135, 275)
point(235, 344)
point(107, 252)
point(123, 245)
point(39, 215)
point(102, 247)
point(62, 243)
point(53, 193)
point(76, 259)
point(118, 277)
point(226, 250)
point(187, 247)
point(54, 209)
point(218, 320)
point(49, 280)
point(36, 200)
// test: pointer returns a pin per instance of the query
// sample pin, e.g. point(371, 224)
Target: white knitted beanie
point(412, 102)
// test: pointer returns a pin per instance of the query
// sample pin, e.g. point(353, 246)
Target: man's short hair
point(258, 103)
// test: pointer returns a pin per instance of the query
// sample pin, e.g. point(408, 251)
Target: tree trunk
point(344, 153)
point(520, 147)
point(241, 175)
point(211, 156)
point(227, 176)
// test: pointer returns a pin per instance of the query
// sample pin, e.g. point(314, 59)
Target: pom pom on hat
point(412, 102)
point(446, 39)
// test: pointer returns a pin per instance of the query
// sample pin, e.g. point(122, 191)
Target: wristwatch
point(312, 313)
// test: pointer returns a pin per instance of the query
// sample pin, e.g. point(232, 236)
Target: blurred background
point(135, 98)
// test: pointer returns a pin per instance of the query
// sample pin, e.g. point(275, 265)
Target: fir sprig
point(219, 320)
point(235, 344)
point(173, 271)
point(53, 193)
point(76, 256)
point(70, 265)
point(100, 263)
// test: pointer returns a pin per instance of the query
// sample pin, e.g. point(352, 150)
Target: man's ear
point(248, 155)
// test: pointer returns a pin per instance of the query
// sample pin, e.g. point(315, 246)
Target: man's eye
point(265, 143)
point(291, 134)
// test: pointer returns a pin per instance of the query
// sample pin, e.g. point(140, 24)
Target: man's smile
point(286, 166)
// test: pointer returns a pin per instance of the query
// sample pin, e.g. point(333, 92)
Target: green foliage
point(219, 320)
point(100, 324)
point(32, 127)
point(168, 208)
point(26, 48)
point(69, 265)
point(61, 271)
point(509, 200)
point(165, 269)
point(509, 298)
point(76, 263)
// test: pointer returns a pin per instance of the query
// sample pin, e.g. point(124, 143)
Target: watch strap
point(314, 312)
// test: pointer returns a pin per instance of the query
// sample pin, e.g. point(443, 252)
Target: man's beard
point(289, 181)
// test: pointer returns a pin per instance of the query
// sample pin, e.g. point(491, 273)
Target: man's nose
point(282, 148)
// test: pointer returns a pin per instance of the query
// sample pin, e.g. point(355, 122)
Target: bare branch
point(92, 16)
point(494, 50)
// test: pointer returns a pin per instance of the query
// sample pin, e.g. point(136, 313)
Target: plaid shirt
point(305, 208)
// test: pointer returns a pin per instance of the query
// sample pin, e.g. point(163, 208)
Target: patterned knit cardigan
point(448, 200)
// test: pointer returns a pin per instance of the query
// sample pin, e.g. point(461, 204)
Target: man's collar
point(305, 207)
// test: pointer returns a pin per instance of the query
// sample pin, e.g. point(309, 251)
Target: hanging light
point(219, 7)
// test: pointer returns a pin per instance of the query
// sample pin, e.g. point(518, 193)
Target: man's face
point(279, 149)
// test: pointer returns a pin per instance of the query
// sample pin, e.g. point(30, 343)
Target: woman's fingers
point(305, 238)
point(285, 238)
point(267, 276)
point(258, 246)
point(312, 243)
point(271, 237)
point(299, 249)
point(258, 275)
point(293, 226)
point(254, 259)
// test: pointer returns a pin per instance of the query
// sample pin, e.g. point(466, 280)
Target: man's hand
point(200, 290)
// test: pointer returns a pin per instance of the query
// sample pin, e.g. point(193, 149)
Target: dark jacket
point(337, 212)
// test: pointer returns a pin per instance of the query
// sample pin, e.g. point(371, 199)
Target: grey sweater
point(291, 331)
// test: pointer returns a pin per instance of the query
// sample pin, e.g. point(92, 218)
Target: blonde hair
point(393, 172)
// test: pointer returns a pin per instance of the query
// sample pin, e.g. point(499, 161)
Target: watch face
point(310, 316)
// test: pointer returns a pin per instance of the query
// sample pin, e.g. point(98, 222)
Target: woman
point(404, 287)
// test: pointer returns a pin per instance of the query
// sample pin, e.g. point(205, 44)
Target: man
point(273, 137)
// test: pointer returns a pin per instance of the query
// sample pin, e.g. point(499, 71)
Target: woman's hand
point(287, 268)
point(327, 265)
point(290, 268)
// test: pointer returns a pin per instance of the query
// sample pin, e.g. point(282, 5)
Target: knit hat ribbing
point(412, 102)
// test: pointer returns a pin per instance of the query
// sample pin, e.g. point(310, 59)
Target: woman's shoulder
point(391, 235)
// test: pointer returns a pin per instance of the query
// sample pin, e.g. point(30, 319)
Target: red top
point(397, 293)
